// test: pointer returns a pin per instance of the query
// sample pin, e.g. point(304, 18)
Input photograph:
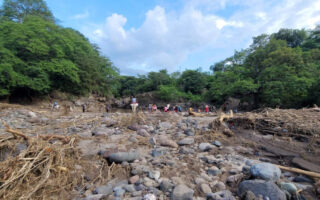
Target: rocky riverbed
point(173, 156)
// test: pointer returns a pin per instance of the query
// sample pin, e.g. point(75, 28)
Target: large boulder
point(182, 192)
point(260, 187)
point(265, 171)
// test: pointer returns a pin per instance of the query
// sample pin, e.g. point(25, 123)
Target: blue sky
point(143, 35)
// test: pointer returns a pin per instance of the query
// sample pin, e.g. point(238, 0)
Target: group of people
point(206, 109)
point(174, 108)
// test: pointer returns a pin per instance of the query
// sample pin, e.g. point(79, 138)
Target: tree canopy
point(38, 56)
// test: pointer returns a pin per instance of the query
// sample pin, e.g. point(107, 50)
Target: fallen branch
point(300, 171)
point(15, 133)
point(59, 137)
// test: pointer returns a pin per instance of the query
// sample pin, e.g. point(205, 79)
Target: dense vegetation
point(282, 69)
point(37, 56)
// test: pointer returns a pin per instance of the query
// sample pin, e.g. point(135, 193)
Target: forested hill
point(38, 56)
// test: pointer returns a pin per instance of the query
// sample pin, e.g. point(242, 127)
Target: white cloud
point(166, 39)
point(81, 15)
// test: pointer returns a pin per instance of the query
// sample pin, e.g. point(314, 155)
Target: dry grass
point(47, 169)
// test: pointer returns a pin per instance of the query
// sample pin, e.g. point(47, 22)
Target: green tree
point(192, 81)
point(313, 40)
point(37, 56)
point(17, 10)
point(293, 37)
point(168, 93)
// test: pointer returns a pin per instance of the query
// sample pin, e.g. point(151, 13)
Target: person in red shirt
point(207, 109)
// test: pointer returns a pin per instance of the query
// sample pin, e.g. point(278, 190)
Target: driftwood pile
point(303, 124)
point(50, 167)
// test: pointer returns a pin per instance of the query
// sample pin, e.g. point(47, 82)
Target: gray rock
point(143, 132)
point(189, 132)
point(123, 156)
point(186, 150)
point(205, 146)
point(133, 139)
point(234, 179)
point(129, 188)
point(140, 187)
point(261, 187)
point(166, 185)
point(105, 189)
point(149, 182)
point(221, 195)
point(199, 180)
point(217, 143)
point(154, 191)
point(158, 152)
point(139, 169)
point(290, 187)
point(102, 131)
point(136, 194)
point(219, 186)
point(265, 171)
point(214, 171)
point(118, 191)
point(182, 192)
point(302, 179)
point(186, 141)
point(31, 114)
point(149, 197)
point(133, 127)
point(165, 125)
point(164, 141)
point(205, 188)
point(246, 169)
point(109, 122)
point(154, 175)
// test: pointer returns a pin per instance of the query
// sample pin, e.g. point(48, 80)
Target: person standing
point(154, 107)
point(190, 109)
point(83, 107)
point(149, 108)
point(134, 104)
point(55, 106)
point(207, 108)
point(108, 108)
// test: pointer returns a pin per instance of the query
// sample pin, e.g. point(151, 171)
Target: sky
point(139, 36)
